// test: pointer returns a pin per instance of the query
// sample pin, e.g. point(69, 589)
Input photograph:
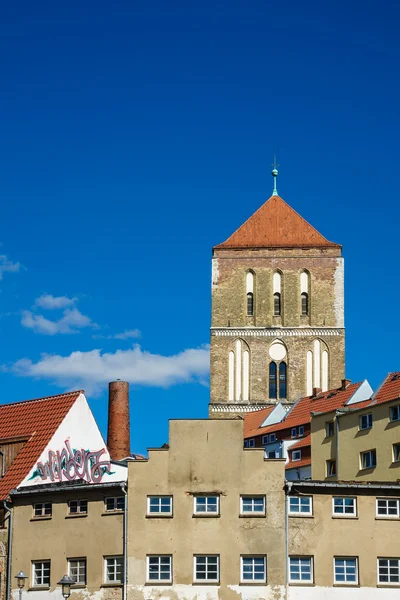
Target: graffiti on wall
point(70, 464)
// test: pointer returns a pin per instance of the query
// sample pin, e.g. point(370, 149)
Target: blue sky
point(137, 135)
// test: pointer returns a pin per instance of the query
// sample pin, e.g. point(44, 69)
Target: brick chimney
point(315, 392)
point(118, 438)
point(345, 383)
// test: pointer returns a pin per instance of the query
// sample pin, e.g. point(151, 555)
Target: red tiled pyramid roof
point(303, 443)
point(276, 225)
point(389, 390)
point(37, 420)
point(303, 462)
point(253, 420)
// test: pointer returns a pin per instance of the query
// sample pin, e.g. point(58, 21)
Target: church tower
point(277, 327)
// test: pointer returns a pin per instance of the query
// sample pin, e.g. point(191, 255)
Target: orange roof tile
point(303, 443)
point(37, 420)
point(304, 462)
point(253, 420)
point(389, 390)
point(276, 225)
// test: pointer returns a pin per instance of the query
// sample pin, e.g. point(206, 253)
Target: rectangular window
point(300, 505)
point(272, 438)
point(396, 452)
point(41, 573)
point(346, 570)
point(159, 568)
point(329, 429)
point(294, 432)
point(300, 569)
point(77, 570)
point(249, 443)
point(330, 468)
point(395, 413)
point(301, 430)
point(42, 509)
point(389, 571)
point(273, 454)
point(344, 506)
point(114, 569)
point(206, 568)
point(252, 505)
point(206, 505)
point(115, 503)
point(264, 439)
point(366, 421)
point(159, 505)
point(368, 459)
point(253, 569)
point(78, 507)
point(387, 507)
point(296, 455)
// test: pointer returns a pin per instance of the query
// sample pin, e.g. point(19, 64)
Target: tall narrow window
point(277, 291)
point(250, 293)
point(272, 380)
point(250, 304)
point(304, 304)
point(304, 292)
point(282, 380)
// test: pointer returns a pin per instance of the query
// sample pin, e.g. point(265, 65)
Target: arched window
point(304, 304)
point(282, 380)
point(250, 293)
point(250, 304)
point(272, 380)
point(277, 304)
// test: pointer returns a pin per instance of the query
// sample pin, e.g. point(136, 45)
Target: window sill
point(300, 515)
point(39, 588)
point(347, 585)
point(112, 513)
point(112, 585)
point(77, 516)
point(252, 515)
point(353, 517)
point(158, 583)
point(205, 516)
point(253, 583)
point(41, 519)
point(302, 583)
point(205, 583)
point(387, 518)
point(159, 516)
point(388, 585)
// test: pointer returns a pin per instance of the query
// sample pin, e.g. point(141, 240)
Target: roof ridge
point(45, 398)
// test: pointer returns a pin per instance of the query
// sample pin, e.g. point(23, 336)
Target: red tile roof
point(303, 443)
point(37, 420)
point(304, 462)
point(253, 420)
point(389, 390)
point(276, 225)
point(300, 413)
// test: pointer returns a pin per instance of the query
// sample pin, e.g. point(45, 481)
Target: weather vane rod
point(274, 175)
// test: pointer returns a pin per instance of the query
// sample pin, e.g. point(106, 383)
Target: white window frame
point(301, 580)
point(364, 454)
point(301, 430)
point(330, 462)
point(388, 583)
point(300, 512)
point(368, 417)
point(115, 501)
point(158, 581)
point(392, 410)
point(212, 513)
point(206, 556)
point(345, 581)
point(293, 433)
point(252, 498)
point(327, 427)
point(387, 515)
point(253, 580)
point(272, 438)
point(344, 514)
point(159, 513)
point(43, 507)
point(42, 563)
point(298, 454)
point(264, 439)
point(249, 443)
point(396, 445)
point(116, 557)
point(79, 510)
point(80, 562)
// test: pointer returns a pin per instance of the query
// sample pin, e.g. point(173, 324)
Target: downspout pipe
point(9, 547)
point(125, 542)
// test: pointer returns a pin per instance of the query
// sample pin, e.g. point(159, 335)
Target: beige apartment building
point(206, 518)
point(359, 441)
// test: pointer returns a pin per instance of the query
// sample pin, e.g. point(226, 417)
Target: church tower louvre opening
point(277, 326)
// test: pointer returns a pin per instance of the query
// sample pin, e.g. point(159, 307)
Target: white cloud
point(51, 302)
point(71, 322)
point(125, 335)
point(93, 370)
point(7, 266)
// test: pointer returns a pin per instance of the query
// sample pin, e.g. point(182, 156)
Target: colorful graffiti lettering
point(69, 465)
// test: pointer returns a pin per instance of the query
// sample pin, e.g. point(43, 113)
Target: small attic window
point(395, 377)
point(331, 394)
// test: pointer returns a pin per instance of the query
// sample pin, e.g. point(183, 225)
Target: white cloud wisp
point(93, 369)
point(52, 302)
point(72, 321)
point(7, 266)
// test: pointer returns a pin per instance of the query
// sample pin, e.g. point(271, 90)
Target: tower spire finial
point(274, 174)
